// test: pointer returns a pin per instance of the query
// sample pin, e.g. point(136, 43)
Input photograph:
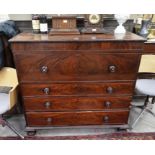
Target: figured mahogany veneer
point(76, 79)
point(76, 66)
point(76, 103)
point(77, 89)
point(90, 45)
point(77, 118)
point(149, 48)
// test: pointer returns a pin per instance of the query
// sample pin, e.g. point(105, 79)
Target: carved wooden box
point(64, 25)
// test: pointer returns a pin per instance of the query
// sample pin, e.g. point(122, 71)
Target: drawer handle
point(109, 90)
point(44, 69)
point(46, 91)
point(47, 104)
point(112, 68)
point(107, 104)
point(49, 120)
point(106, 119)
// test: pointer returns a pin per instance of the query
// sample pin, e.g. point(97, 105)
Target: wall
point(4, 17)
point(20, 16)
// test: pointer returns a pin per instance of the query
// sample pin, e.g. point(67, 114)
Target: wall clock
point(93, 24)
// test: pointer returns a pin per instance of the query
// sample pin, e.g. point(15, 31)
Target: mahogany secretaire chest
point(76, 80)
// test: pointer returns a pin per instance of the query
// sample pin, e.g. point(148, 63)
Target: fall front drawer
point(76, 66)
point(76, 118)
point(76, 103)
point(77, 89)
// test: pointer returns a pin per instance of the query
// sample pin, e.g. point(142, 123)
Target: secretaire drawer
point(58, 89)
point(87, 45)
point(76, 66)
point(76, 118)
point(76, 103)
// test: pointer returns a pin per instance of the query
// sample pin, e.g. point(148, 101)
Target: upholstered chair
point(8, 95)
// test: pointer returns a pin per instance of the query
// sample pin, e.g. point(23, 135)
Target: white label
point(93, 30)
point(93, 38)
point(65, 21)
point(139, 20)
point(76, 38)
point(43, 27)
point(35, 24)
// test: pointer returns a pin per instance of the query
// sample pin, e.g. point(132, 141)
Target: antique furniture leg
point(31, 133)
point(144, 108)
point(4, 122)
point(121, 129)
point(150, 110)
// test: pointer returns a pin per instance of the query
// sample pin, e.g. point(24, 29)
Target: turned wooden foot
point(31, 133)
point(121, 129)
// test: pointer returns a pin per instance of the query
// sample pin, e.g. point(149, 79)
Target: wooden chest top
point(30, 37)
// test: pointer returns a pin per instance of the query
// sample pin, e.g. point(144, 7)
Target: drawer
point(87, 45)
point(76, 103)
point(149, 48)
point(78, 89)
point(76, 66)
point(76, 118)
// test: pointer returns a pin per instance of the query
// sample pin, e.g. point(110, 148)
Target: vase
point(144, 28)
point(121, 18)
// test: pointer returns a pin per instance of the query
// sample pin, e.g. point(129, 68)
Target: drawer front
point(76, 103)
point(76, 66)
point(17, 47)
point(149, 48)
point(76, 118)
point(77, 89)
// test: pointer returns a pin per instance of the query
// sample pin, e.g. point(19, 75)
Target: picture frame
point(153, 18)
point(147, 16)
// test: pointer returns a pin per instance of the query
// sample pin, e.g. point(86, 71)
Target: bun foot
point(31, 133)
point(121, 129)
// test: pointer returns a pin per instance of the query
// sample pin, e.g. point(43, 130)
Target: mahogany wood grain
point(59, 23)
point(73, 66)
point(77, 118)
point(149, 48)
point(77, 79)
point(77, 89)
point(76, 103)
point(30, 37)
point(110, 47)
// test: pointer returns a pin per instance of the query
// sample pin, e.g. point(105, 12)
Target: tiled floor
point(145, 124)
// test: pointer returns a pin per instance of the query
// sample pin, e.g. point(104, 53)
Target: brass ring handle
point(112, 68)
point(47, 104)
point(109, 90)
point(106, 119)
point(107, 104)
point(44, 69)
point(46, 91)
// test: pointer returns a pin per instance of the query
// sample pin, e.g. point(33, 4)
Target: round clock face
point(94, 18)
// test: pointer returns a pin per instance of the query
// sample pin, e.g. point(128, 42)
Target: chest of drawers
point(76, 80)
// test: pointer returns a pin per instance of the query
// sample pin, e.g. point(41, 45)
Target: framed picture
point(147, 16)
point(153, 18)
